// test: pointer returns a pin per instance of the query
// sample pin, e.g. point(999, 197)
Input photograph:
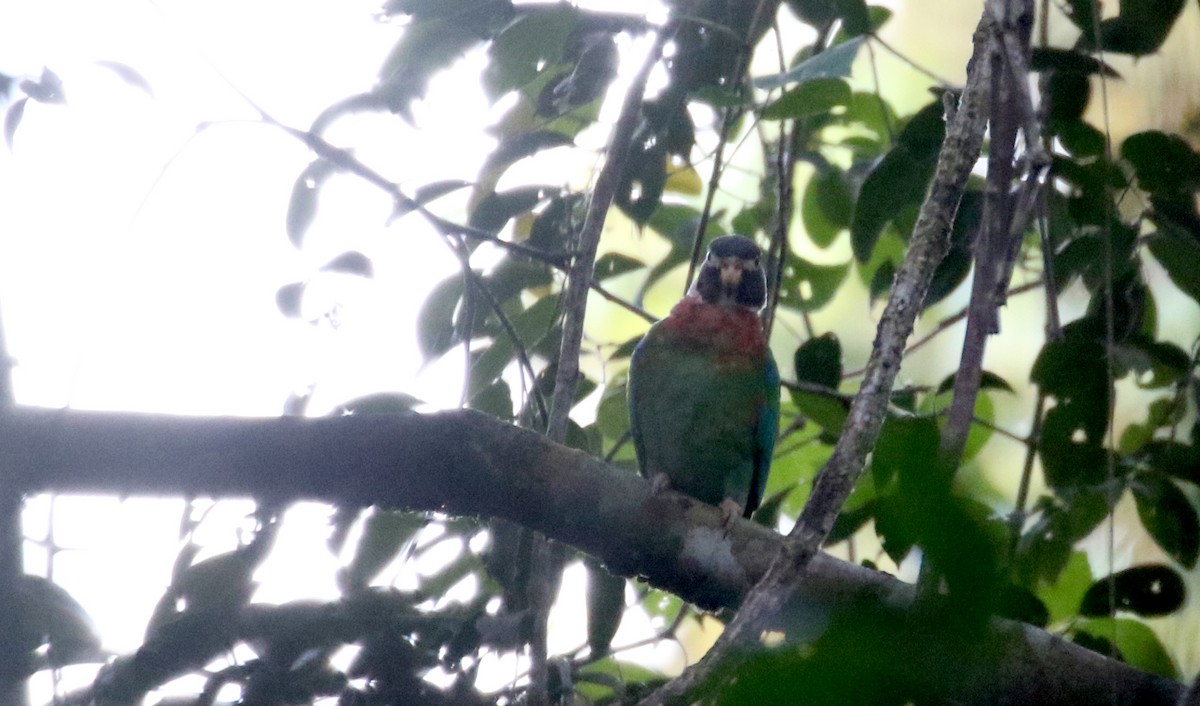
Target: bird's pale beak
point(731, 274)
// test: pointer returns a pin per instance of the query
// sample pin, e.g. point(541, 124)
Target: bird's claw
point(659, 482)
point(730, 511)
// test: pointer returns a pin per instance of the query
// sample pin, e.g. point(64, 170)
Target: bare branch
point(466, 463)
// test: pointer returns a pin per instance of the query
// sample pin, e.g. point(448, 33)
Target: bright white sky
point(139, 260)
point(122, 289)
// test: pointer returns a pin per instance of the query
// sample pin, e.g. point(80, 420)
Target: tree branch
point(467, 463)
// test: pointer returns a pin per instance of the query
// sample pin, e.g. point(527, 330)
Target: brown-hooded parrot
point(704, 387)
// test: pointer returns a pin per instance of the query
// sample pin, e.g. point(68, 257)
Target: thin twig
point(626, 305)
point(903, 57)
point(518, 345)
point(714, 179)
point(546, 559)
point(579, 277)
point(884, 111)
point(947, 323)
point(992, 247)
point(1016, 521)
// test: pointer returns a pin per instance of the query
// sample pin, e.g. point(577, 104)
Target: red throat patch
point(732, 330)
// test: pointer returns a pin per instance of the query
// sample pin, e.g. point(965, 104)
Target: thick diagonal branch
point(465, 463)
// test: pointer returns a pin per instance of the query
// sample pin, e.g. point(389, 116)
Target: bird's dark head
point(732, 274)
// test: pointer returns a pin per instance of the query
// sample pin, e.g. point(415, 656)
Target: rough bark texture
point(466, 463)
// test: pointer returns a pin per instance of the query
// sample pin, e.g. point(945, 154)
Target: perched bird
point(704, 387)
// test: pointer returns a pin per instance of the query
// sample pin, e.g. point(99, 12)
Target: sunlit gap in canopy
point(143, 245)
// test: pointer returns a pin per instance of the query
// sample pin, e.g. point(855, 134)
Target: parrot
point(703, 388)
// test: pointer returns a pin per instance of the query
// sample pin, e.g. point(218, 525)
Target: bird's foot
point(730, 511)
point(659, 482)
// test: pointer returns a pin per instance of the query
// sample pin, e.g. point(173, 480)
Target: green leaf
point(827, 207)
point(1068, 61)
point(881, 280)
point(553, 227)
point(431, 43)
point(719, 97)
point(768, 511)
point(1073, 368)
point(907, 448)
point(54, 624)
point(496, 209)
point(827, 412)
point(12, 120)
point(639, 193)
point(896, 524)
point(1168, 516)
point(898, 180)
point(677, 223)
point(1063, 596)
point(614, 264)
point(436, 326)
point(1165, 362)
point(809, 98)
point(600, 681)
point(494, 400)
point(1173, 458)
point(513, 276)
point(1162, 162)
point(289, 297)
point(988, 381)
point(858, 510)
point(1139, 29)
point(1178, 254)
point(662, 605)
point(1079, 138)
point(47, 89)
point(302, 208)
point(954, 267)
point(1136, 644)
point(1151, 590)
point(1068, 461)
point(128, 74)
point(385, 535)
point(871, 112)
point(819, 361)
point(530, 326)
point(532, 41)
point(605, 607)
point(1068, 95)
point(818, 13)
point(807, 286)
point(350, 263)
point(834, 62)
point(1019, 603)
point(517, 148)
point(427, 193)
point(380, 403)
